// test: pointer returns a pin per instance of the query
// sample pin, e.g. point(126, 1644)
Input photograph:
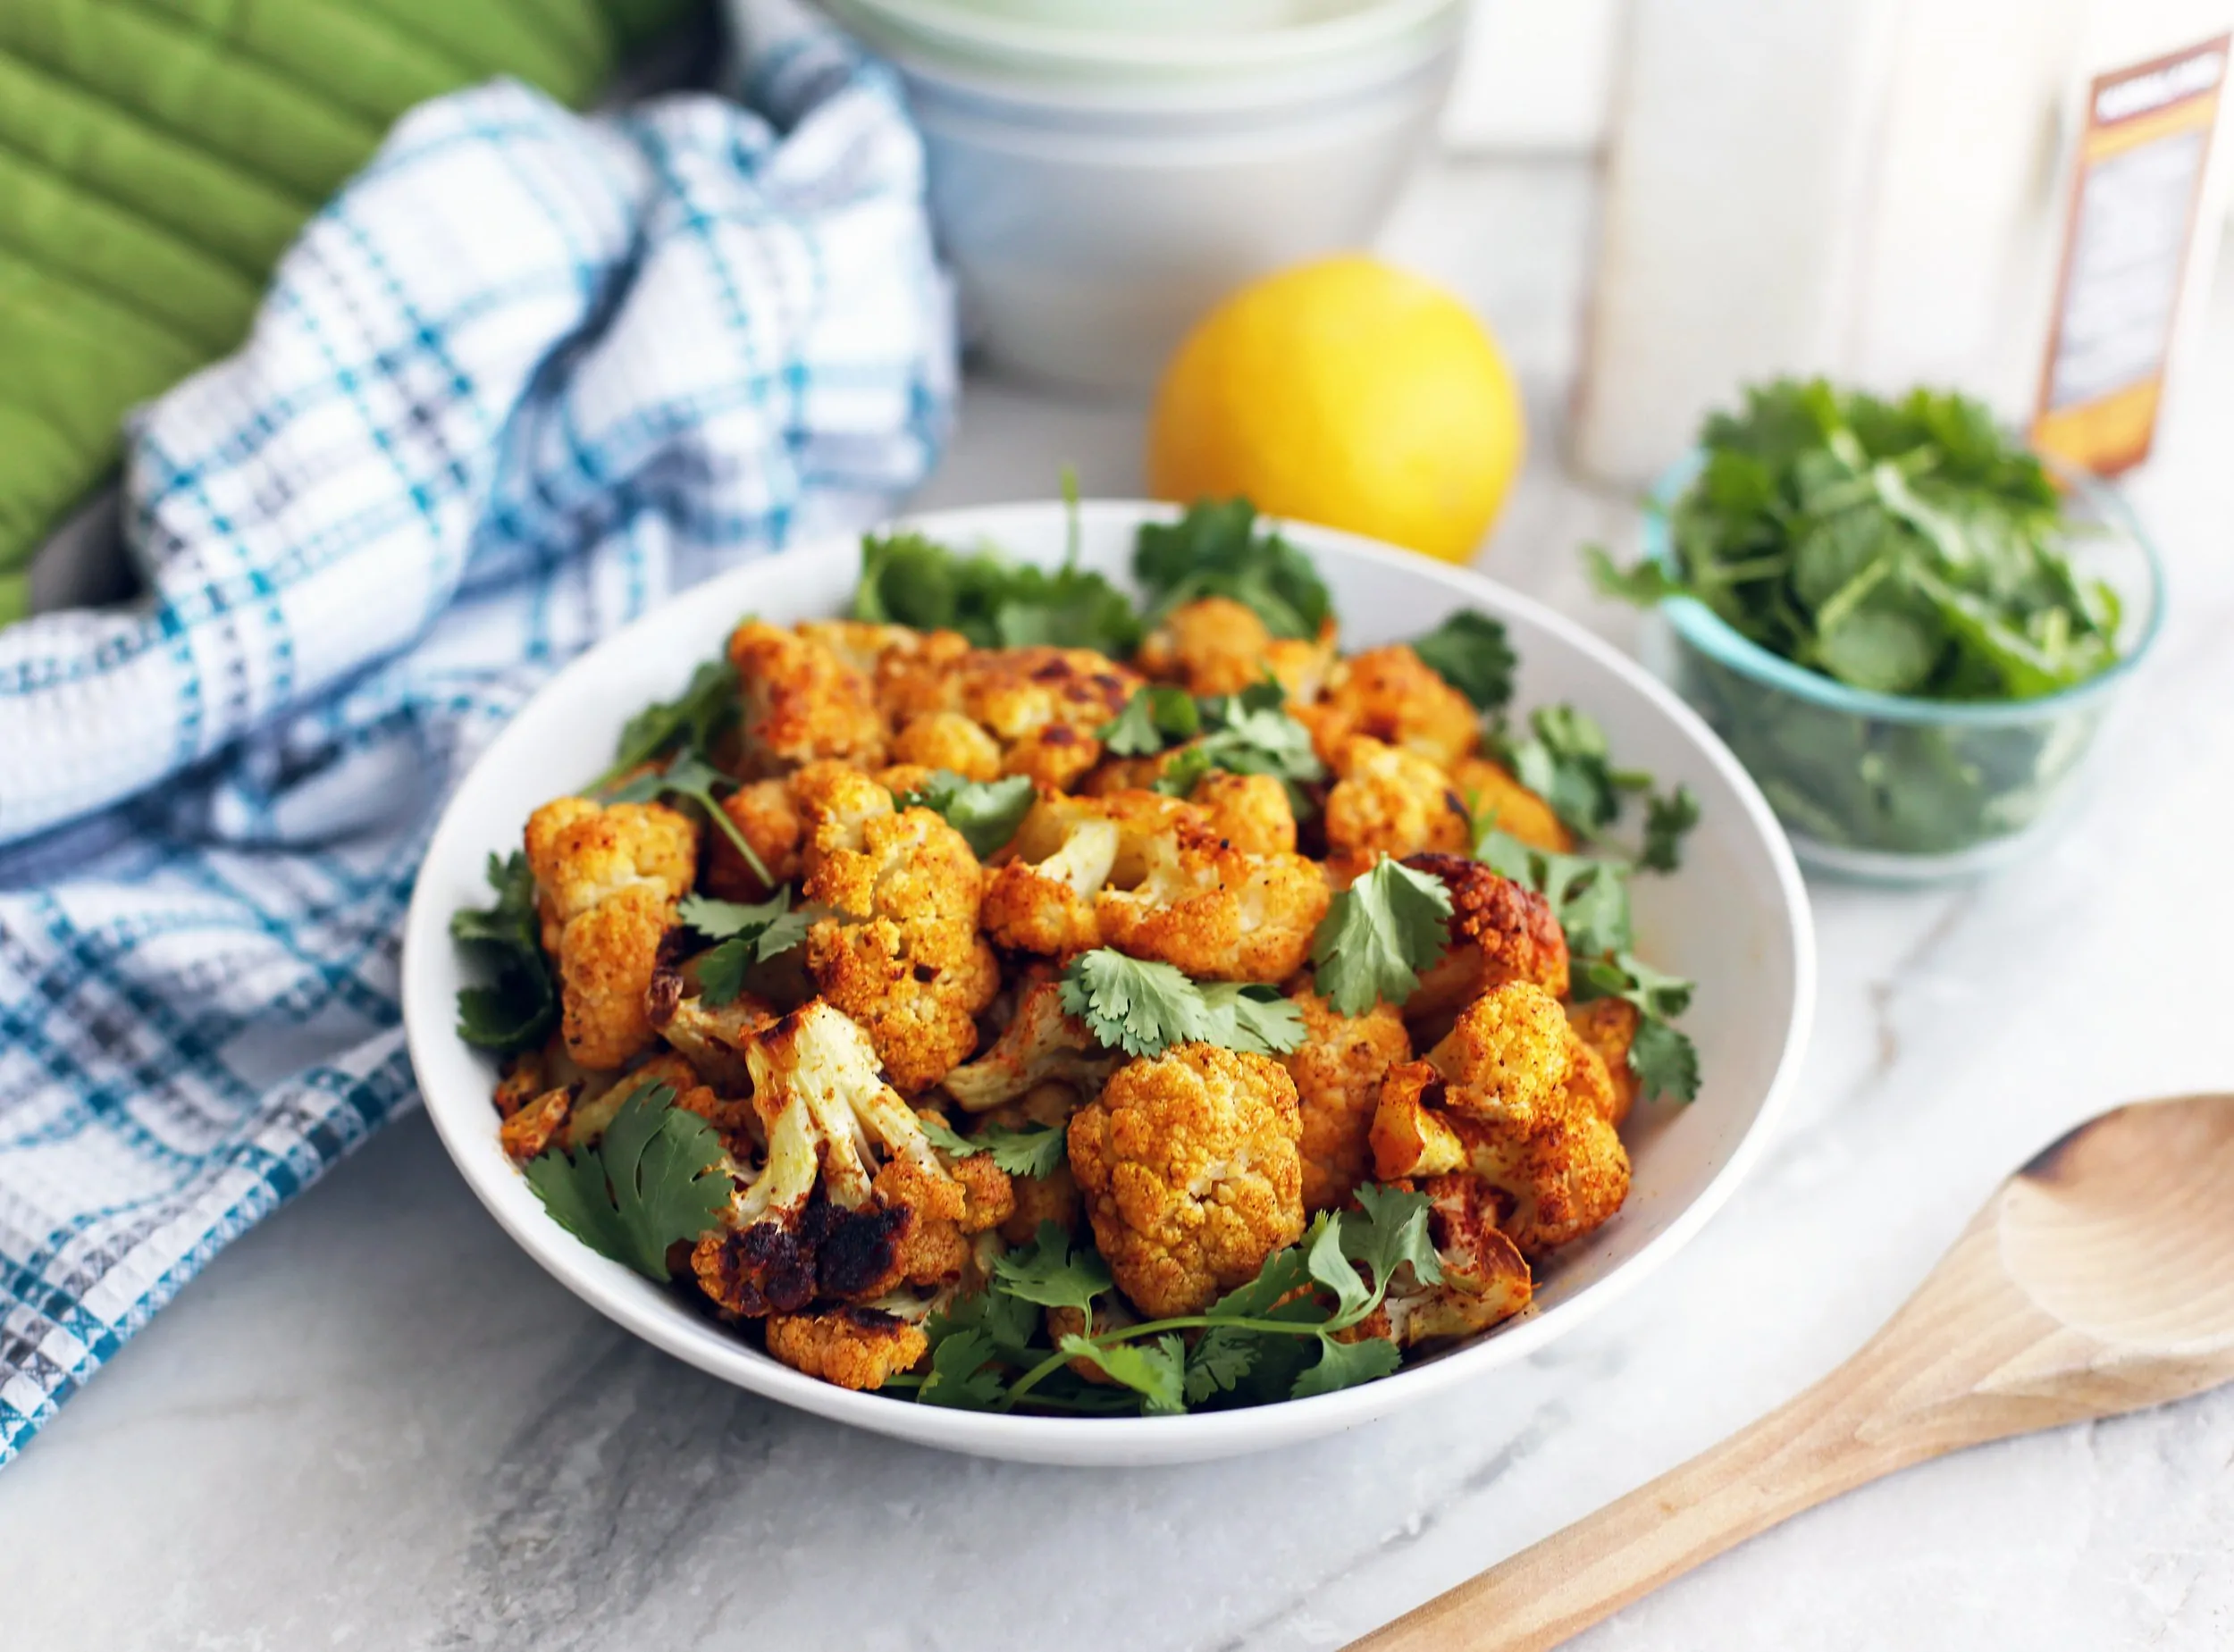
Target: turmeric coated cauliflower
point(1189, 1165)
point(607, 881)
point(1337, 1073)
point(1495, 799)
point(1500, 1099)
point(801, 701)
point(853, 1348)
point(948, 740)
point(1216, 645)
point(1043, 1043)
point(1388, 802)
point(853, 1201)
point(900, 952)
point(1250, 812)
point(1500, 931)
point(1608, 1026)
point(764, 813)
point(1396, 697)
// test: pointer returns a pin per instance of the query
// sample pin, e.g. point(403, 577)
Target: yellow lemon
point(1349, 393)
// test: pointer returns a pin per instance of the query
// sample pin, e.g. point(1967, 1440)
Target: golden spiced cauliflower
point(1337, 1072)
point(1396, 697)
point(1500, 931)
point(607, 881)
point(1387, 800)
point(800, 701)
point(1189, 1167)
point(1216, 645)
point(1507, 1098)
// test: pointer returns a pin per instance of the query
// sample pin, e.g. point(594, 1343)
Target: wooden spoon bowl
point(2098, 1279)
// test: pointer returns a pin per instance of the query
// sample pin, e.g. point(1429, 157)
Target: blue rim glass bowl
point(1893, 789)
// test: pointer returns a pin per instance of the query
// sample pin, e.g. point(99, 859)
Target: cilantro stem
point(1185, 1321)
point(729, 830)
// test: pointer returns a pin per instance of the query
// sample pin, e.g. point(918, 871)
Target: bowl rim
point(972, 33)
point(614, 1290)
point(1712, 635)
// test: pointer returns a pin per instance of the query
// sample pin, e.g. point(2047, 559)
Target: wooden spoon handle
point(1792, 1459)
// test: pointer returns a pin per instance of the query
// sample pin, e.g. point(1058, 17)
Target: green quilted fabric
point(156, 156)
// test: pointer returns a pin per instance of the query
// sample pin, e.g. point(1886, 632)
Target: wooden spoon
point(2098, 1279)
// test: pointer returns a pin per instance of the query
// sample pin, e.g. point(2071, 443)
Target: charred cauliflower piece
point(1388, 802)
point(1189, 1165)
point(1337, 1073)
point(1042, 1045)
point(1216, 645)
point(1485, 1279)
point(607, 880)
point(1500, 1099)
point(1394, 696)
point(853, 1201)
point(900, 952)
point(1496, 798)
point(801, 701)
point(1500, 931)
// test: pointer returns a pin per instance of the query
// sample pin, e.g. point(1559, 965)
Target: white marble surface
point(374, 1423)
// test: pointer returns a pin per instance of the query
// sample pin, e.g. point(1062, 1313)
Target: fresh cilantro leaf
point(965, 1373)
point(1251, 734)
point(1393, 1234)
point(1136, 1006)
point(1664, 1060)
point(1332, 1269)
point(1216, 550)
point(748, 935)
point(1009, 1322)
point(909, 580)
point(1589, 896)
point(517, 1010)
point(1183, 771)
point(1033, 1150)
point(1222, 1356)
point(1645, 585)
point(1346, 1365)
point(986, 812)
point(1253, 1018)
point(691, 775)
point(1155, 716)
point(653, 1179)
point(1565, 761)
point(1666, 819)
point(1377, 937)
point(1052, 1274)
point(686, 723)
point(1470, 651)
point(1155, 1372)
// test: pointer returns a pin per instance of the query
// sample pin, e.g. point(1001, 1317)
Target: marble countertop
point(374, 1422)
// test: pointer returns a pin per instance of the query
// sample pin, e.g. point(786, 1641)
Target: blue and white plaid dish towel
point(529, 373)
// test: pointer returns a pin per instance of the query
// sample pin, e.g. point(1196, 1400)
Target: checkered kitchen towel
point(529, 373)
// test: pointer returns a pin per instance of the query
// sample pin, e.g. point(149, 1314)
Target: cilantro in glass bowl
point(1908, 627)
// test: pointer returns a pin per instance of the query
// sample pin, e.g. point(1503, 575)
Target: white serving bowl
point(1735, 918)
point(1093, 208)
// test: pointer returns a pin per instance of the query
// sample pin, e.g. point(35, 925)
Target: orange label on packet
point(2126, 243)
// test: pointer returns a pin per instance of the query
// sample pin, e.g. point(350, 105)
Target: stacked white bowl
point(1103, 172)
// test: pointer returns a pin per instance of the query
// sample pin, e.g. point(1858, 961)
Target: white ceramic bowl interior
point(1096, 201)
point(1735, 918)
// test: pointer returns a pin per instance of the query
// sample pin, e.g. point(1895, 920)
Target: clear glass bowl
point(1900, 790)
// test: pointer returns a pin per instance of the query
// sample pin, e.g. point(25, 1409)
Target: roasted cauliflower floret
point(1608, 1026)
point(1337, 1073)
point(1188, 1164)
point(900, 952)
point(1485, 1279)
point(1500, 1099)
point(1041, 898)
point(1212, 911)
point(853, 1348)
point(801, 701)
point(1388, 802)
point(765, 816)
point(853, 1201)
point(1500, 931)
point(1496, 798)
point(1040, 706)
point(948, 740)
point(1250, 812)
point(1216, 645)
point(607, 880)
point(1054, 1196)
point(1396, 697)
point(1041, 1044)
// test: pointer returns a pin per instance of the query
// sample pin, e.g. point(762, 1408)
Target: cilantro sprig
point(1033, 1150)
point(1250, 732)
point(986, 812)
point(517, 1010)
point(689, 723)
point(745, 936)
point(1215, 550)
point(655, 1178)
point(909, 580)
point(1144, 1007)
point(1378, 935)
point(1471, 651)
point(1288, 1334)
point(690, 776)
